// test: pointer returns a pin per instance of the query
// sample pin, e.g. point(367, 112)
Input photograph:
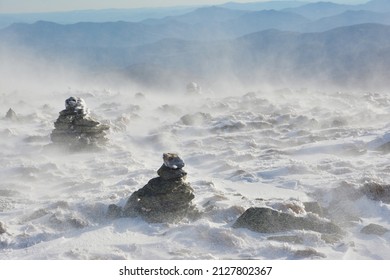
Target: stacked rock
point(166, 198)
point(76, 129)
point(11, 115)
point(193, 88)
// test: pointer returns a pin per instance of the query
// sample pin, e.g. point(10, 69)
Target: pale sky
point(26, 6)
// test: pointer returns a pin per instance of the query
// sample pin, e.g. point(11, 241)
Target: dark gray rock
point(11, 115)
point(76, 130)
point(266, 220)
point(314, 207)
point(308, 253)
point(161, 200)
point(173, 161)
point(2, 228)
point(169, 173)
point(287, 238)
point(114, 211)
point(167, 198)
point(377, 192)
point(374, 229)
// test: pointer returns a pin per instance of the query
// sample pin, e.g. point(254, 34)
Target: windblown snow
point(263, 148)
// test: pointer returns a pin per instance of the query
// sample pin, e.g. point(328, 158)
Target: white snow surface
point(262, 148)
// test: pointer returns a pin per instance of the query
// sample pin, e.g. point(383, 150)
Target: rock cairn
point(11, 115)
point(166, 198)
point(76, 129)
point(193, 88)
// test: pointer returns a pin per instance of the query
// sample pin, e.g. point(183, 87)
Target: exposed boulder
point(314, 207)
point(2, 228)
point(198, 118)
point(374, 229)
point(287, 238)
point(308, 253)
point(166, 198)
point(377, 192)
point(267, 220)
point(76, 129)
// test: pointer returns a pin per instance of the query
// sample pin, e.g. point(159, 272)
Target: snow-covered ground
point(241, 149)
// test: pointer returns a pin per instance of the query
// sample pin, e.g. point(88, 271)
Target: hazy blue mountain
point(108, 15)
point(263, 20)
point(213, 23)
point(209, 14)
point(348, 18)
point(376, 6)
point(85, 34)
point(355, 55)
point(216, 43)
point(349, 56)
point(205, 24)
point(319, 10)
point(258, 6)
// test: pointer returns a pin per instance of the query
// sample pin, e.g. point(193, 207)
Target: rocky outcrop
point(166, 198)
point(267, 220)
point(378, 192)
point(76, 129)
point(374, 229)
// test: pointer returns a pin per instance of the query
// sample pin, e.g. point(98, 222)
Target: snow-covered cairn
point(166, 198)
point(76, 129)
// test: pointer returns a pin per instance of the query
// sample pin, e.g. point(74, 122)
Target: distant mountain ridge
point(318, 10)
point(357, 55)
point(211, 43)
point(354, 56)
point(258, 6)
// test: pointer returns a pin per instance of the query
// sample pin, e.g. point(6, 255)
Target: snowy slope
point(241, 150)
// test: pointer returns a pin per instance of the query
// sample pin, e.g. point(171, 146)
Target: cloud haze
point(21, 6)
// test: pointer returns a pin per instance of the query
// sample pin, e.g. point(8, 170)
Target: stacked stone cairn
point(11, 115)
point(166, 198)
point(193, 88)
point(76, 129)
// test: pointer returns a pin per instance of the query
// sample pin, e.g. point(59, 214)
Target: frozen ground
point(241, 150)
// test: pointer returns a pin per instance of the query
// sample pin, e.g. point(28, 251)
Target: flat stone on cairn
point(166, 198)
point(76, 129)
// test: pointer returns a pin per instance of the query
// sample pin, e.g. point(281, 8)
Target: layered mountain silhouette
point(349, 45)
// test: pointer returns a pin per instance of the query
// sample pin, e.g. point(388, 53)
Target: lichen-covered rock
point(266, 220)
point(76, 129)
